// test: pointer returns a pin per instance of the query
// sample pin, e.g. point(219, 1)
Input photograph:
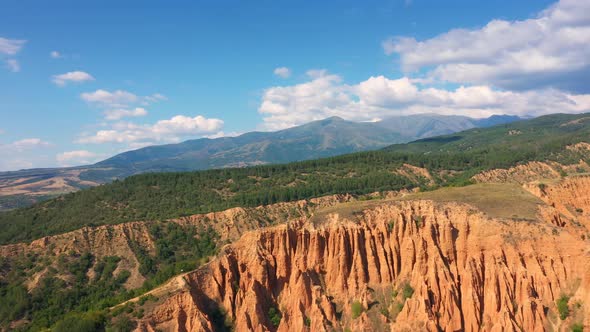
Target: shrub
point(357, 309)
point(390, 225)
point(407, 291)
point(578, 327)
point(122, 277)
point(562, 307)
point(419, 220)
point(80, 322)
point(274, 316)
point(122, 324)
point(149, 297)
point(397, 308)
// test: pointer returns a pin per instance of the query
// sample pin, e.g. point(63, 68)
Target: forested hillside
point(168, 195)
point(324, 138)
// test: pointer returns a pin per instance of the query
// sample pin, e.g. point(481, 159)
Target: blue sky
point(81, 80)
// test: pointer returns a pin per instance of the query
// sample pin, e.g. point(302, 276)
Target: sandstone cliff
point(397, 265)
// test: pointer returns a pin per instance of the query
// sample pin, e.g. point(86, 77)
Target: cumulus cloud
point(72, 77)
point(55, 55)
point(171, 130)
point(77, 157)
point(381, 97)
point(120, 104)
point(550, 50)
point(13, 65)
point(287, 106)
point(380, 91)
point(282, 72)
point(117, 114)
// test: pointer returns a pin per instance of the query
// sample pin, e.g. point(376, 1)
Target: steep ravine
point(400, 266)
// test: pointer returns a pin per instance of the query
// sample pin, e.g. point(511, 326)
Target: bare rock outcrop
point(570, 196)
point(458, 270)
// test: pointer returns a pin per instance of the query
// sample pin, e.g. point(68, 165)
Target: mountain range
point(323, 138)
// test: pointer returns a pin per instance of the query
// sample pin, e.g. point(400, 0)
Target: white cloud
point(117, 114)
point(14, 164)
point(13, 65)
point(380, 91)
point(55, 55)
point(287, 106)
point(11, 46)
point(282, 72)
point(28, 143)
point(24, 153)
point(77, 157)
point(551, 50)
point(224, 134)
point(137, 145)
point(380, 97)
point(118, 98)
point(316, 73)
point(72, 77)
point(120, 104)
point(156, 97)
point(171, 130)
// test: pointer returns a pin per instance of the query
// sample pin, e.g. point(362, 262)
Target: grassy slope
point(157, 196)
point(494, 199)
point(497, 200)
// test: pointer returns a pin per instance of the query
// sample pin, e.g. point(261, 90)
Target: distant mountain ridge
point(429, 125)
point(328, 137)
point(324, 138)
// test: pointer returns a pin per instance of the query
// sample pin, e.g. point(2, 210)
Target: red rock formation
point(410, 265)
point(468, 272)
